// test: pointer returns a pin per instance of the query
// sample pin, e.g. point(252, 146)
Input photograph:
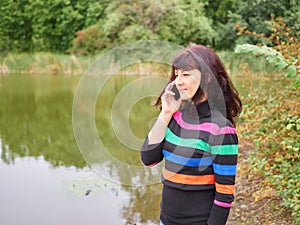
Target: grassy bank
point(57, 64)
point(246, 65)
point(44, 63)
point(271, 122)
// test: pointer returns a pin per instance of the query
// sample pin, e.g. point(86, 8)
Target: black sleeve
point(224, 165)
point(151, 154)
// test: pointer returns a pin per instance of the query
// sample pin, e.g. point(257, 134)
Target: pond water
point(45, 178)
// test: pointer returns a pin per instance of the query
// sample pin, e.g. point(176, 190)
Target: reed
point(43, 63)
point(245, 65)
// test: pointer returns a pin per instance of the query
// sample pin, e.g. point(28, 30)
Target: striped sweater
point(200, 154)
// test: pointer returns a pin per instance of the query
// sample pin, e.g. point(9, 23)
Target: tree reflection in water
point(36, 121)
point(143, 205)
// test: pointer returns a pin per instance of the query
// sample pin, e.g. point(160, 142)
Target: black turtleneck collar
point(201, 110)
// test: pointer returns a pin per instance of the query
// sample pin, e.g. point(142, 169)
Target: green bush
point(273, 57)
point(271, 119)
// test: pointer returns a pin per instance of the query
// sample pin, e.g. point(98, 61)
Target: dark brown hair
point(215, 82)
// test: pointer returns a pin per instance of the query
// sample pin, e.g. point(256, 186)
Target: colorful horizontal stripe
point(200, 144)
point(229, 170)
point(224, 149)
point(222, 204)
point(225, 188)
point(185, 142)
point(206, 161)
point(188, 179)
point(207, 127)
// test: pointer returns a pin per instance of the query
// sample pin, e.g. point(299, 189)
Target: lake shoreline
point(43, 63)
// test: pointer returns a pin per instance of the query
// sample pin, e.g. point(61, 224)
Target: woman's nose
point(178, 80)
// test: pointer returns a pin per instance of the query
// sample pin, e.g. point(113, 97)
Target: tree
point(185, 22)
point(39, 25)
point(256, 16)
point(15, 26)
point(176, 21)
point(54, 23)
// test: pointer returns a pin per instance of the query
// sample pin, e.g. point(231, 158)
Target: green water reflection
point(36, 119)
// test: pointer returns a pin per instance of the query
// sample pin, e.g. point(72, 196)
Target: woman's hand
point(169, 104)
point(169, 107)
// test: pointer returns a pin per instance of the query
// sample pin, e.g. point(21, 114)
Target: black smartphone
point(175, 90)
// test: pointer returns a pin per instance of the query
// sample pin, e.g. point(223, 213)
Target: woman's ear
point(208, 78)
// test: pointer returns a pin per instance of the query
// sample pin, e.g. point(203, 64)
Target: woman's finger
point(170, 85)
point(168, 89)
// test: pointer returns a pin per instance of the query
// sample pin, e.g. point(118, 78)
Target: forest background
point(91, 26)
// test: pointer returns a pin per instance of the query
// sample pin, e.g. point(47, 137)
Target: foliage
point(283, 38)
point(276, 131)
point(89, 41)
point(54, 23)
point(240, 65)
point(271, 119)
point(274, 57)
point(219, 10)
point(95, 12)
point(285, 51)
point(185, 22)
point(28, 25)
point(15, 27)
point(256, 16)
point(130, 21)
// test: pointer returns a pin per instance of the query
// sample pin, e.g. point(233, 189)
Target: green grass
point(45, 63)
point(58, 64)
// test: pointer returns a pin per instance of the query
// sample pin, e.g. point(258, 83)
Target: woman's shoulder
point(219, 119)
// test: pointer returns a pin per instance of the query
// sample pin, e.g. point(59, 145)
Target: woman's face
point(187, 82)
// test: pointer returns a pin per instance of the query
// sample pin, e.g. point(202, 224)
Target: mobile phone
point(176, 92)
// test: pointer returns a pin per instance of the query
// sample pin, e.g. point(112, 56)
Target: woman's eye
point(186, 74)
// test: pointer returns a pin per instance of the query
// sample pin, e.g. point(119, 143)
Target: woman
point(195, 135)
